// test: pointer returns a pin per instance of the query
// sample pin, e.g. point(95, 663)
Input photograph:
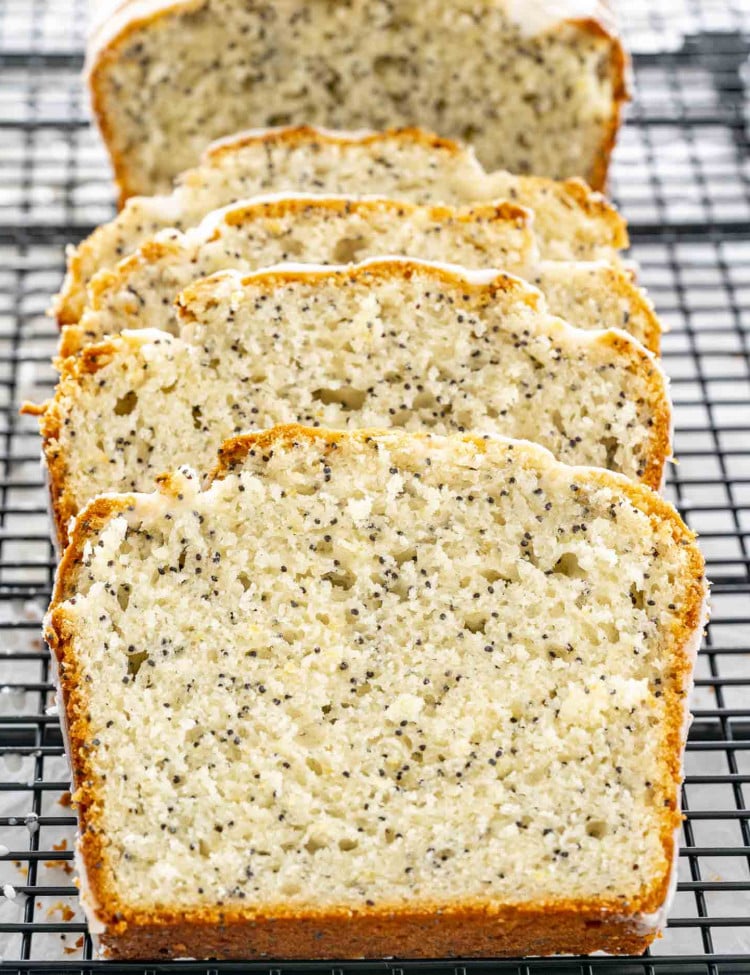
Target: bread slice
point(534, 92)
point(389, 342)
point(376, 694)
point(597, 294)
point(406, 164)
point(140, 291)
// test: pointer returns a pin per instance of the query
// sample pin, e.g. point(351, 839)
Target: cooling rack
point(682, 176)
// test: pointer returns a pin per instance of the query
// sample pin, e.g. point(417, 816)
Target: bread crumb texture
point(140, 291)
point(547, 103)
point(385, 343)
point(570, 220)
point(365, 674)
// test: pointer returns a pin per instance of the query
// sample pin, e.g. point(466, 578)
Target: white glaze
point(216, 218)
point(537, 16)
point(100, 10)
point(475, 277)
point(262, 132)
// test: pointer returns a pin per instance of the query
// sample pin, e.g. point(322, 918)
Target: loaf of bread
point(376, 694)
point(570, 220)
point(140, 291)
point(536, 87)
point(389, 342)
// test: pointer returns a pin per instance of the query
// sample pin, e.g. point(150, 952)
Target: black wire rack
point(682, 176)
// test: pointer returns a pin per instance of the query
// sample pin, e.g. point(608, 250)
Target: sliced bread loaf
point(140, 291)
point(535, 90)
point(377, 694)
point(570, 221)
point(385, 343)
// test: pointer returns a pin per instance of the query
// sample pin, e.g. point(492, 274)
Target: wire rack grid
point(682, 176)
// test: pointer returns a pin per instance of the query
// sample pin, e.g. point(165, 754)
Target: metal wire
point(683, 179)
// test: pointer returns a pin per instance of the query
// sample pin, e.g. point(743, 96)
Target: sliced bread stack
point(412, 692)
point(571, 222)
point(390, 342)
point(568, 245)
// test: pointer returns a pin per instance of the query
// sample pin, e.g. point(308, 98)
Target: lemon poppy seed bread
point(140, 291)
point(377, 694)
point(536, 87)
point(570, 220)
point(389, 342)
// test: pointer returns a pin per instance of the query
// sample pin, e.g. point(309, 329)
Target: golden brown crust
point(149, 251)
point(32, 409)
point(51, 420)
point(74, 337)
point(298, 134)
point(577, 193)
point(293, 204)
point(69, 303)
point(72, 340)
point(660, 450)
point(623, 284)
point(470, 931)
point(619, 69)
point(72, 333)
point(234, 451)
point(374, 269)
point(474, 928)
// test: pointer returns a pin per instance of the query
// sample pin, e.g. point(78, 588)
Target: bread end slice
point(595, 83)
